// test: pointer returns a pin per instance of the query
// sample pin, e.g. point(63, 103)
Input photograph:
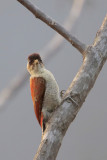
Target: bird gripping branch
point(44, 89)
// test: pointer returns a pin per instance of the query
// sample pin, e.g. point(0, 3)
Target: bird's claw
point(62, 93)
point(70, 99)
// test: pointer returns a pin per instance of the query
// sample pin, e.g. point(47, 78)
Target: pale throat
point(36, 69)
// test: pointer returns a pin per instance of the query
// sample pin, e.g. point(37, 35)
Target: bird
point(44, 90)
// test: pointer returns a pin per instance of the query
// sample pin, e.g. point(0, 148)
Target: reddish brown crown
point(33, 57)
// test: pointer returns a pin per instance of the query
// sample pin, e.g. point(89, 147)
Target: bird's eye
point(31, 61)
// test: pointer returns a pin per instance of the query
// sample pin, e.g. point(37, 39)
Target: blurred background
point(22, 34)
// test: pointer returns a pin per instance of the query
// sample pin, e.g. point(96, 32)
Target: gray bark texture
point(94, 57)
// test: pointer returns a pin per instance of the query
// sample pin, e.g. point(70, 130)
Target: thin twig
point(56, 42)
point(12, 88)
point(53, 24)
point(47, 52)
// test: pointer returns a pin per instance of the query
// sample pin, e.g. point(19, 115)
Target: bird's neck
point(37, 71)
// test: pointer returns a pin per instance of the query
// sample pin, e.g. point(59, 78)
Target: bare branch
point(95, 57)
point(53, 24)
point(47, 52)
point(57, 41)
point(12, 88)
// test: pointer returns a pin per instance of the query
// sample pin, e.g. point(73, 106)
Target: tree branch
point(52, 46)
point(53, 24)
point(95, 57)
point(56, 42)
point(12, 88)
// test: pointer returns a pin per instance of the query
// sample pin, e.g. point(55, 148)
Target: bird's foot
point(62, 93)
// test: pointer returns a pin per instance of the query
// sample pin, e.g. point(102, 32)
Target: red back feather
point(37, 85)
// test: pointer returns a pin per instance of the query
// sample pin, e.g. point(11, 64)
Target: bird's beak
point(36, 61)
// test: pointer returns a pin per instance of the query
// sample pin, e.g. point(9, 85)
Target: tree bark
point(53, 24)
point(47, 52)
point(94, 58)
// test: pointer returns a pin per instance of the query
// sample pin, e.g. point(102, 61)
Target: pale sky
point(22, 34)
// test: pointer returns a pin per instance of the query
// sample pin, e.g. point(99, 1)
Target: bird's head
point(34, 64)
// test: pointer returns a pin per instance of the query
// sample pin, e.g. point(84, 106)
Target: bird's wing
point(38, 85)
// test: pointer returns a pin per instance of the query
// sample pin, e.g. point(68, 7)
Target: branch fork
point(94, 58)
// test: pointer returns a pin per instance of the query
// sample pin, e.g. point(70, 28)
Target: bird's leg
point(62, 93)
point(69, 98)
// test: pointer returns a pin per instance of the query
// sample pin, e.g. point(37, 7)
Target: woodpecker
point(44, 89)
